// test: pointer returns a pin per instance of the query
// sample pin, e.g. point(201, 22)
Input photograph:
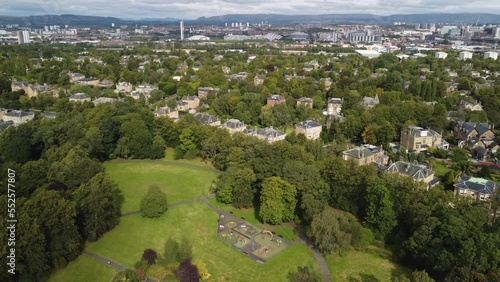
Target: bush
point(154, 204)
point(150, 256)
point(187, 272)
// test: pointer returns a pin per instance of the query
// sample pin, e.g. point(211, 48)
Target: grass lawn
point(178, 182)
point(84, 269)
point(284, 230)
point(440, 169)
point(169, 156)
point(196, 221)
point(363, 266)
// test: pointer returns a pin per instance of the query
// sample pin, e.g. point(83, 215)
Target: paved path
point(169, 163)
point(177, 203)
point(323, 267)
point(105, 261)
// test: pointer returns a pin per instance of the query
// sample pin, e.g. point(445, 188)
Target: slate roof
point(270, 132)
point(477, 184)
point(276, 97)
point(164, 110)
point(233, 123)
point(417, 171)
point(5, 124)
point(335, 101)
point(468, 127)
point(308, 124)
point(206, 118)
point(17, 113)
point(363, 151)
point(305, 100)
point(79, 96)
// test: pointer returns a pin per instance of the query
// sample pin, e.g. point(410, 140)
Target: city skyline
point(184, 9)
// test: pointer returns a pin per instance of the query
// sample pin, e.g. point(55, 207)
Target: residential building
point(417, 139)
point(269, 134)
point(259, 79)
point(167, 112)
point(74, 77)
point(327, 81)
point(416, 171)
point(451, 87)
point(124, 87)
point(465, 55)
point(106, 83)
point(275, 99)
point(465, 131)
point(490, 55)
point(369, 102)
point(478, 138)
point(366, 154)
point(334, 106)
point(17, 117)
point(79, 97)
point(440, 55)
point(89, 81)
point(23, 37)
point(5, 124)
point(471, 106)
point(193, 102)
point(104, 100)
point(311, 129)
point(31, 90)
point(305, 101)
point(207, 119)
point(476, 188)
point(204, 92)
point(146, 89)
point(234, 125)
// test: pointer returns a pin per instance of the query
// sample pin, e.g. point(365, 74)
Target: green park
point(183, 181)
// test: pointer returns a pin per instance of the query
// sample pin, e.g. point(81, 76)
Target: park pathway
point(105, 261)
point(176, 203)
point(325, 272)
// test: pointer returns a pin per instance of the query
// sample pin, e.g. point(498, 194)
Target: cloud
point(191, 9)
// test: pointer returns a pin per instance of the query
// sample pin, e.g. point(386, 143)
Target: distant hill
point(355, 18)
point(72, 20)
point(79, 20)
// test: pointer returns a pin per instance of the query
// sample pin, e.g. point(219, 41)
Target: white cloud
point(191, 9)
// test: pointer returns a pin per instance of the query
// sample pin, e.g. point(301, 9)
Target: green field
point(179, 182)
point(364, 266)
point(198, 222)
point(84, 269)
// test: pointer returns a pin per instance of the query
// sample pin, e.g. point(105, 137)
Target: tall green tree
point(277, 200)
point(98, 205)
point(379, 214)
point(154, 203)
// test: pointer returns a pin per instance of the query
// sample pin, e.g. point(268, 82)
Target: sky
point(192, 9)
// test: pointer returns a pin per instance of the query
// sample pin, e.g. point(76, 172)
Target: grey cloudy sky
point(191, 9)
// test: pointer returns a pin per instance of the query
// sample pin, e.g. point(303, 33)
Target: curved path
point(113, 264)
point(323, 266)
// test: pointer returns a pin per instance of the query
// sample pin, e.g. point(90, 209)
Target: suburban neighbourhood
point(251, 150)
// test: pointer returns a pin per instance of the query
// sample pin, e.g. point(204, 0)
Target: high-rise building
point(182, 30)
point(23, 37)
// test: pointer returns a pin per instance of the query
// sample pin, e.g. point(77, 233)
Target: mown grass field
point(178, 182)
point(84, 269)
point(366, 266)
point(198, 223)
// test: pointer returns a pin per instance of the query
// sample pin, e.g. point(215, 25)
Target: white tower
point(182, 30)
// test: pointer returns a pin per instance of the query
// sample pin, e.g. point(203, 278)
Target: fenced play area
point(249, 239)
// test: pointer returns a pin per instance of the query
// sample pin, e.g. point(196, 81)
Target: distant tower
point(112, 24)
point(182, 30)
point(23, 37)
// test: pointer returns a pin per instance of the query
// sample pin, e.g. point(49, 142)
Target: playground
point(249, 239)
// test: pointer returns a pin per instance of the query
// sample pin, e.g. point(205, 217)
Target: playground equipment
point(268, 232)
point(264, 249)
point(242, 239)
point(279, 242)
